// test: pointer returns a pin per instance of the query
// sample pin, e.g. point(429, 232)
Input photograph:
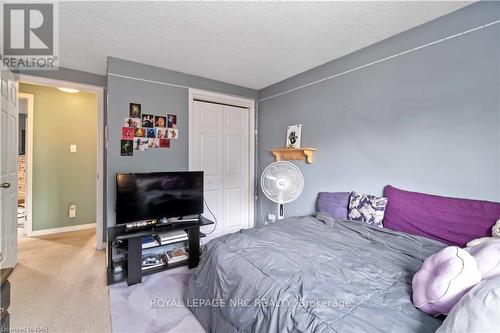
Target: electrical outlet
point(72, 148)
point(72, 211)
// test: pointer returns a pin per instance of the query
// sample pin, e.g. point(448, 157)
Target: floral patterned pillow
point(367, 208)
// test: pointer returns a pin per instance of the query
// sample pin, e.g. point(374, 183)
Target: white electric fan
point(282, 182)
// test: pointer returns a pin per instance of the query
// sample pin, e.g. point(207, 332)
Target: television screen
point(145, 196)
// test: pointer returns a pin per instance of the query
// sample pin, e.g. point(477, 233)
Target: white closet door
point(235, 159)
point(221, 150)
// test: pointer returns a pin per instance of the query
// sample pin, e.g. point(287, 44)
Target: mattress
point(301, 275)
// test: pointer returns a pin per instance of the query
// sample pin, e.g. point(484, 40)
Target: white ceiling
point(251, 44)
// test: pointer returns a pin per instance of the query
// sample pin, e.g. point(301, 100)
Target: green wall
point(61, 178)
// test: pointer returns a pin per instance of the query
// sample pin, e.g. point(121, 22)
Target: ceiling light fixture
point(69, 90)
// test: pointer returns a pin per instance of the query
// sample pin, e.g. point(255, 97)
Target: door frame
point(28, 228)
point(99, 91)
point(214, 97)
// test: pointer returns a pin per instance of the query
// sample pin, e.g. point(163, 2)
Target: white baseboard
point(62, 229)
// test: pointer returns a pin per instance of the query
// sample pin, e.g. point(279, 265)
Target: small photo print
point(164, 143)
point(135, 110)
point(160, 121)
point(172, 121)
point(293, 134)
point(128, 133)
point(141, 144)
point(132, 122)
point(147, 120)
point(161, 133)
point(126, 148)
point(173, 133)
point(154, 143)
point(140, 132)
point(151, 133)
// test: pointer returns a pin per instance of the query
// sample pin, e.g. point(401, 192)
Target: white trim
point(62, 229)
point(211, 96)
point(381, 60)
point(99, 203)
point(99, 91)
point(28, 192)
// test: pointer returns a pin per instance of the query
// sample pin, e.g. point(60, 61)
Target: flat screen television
point(146, 196)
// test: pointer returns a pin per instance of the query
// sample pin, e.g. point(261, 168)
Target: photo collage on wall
point(143, 131)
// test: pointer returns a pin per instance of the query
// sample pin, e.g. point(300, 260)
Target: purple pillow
point(333, 203)
point(443, 279)
point(487, 255)
point(450, 220)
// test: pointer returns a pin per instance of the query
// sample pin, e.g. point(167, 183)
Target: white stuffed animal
point(495, 233)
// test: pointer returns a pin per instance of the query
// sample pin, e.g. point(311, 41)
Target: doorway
point(63, 155)
point(222, 144)
point(25, 110)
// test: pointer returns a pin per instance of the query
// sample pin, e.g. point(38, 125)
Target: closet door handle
point(5, 185)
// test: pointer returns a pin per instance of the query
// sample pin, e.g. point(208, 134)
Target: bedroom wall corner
point(159, 91)
point(428, 120)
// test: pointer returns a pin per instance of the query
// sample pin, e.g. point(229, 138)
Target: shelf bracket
point(294, 154)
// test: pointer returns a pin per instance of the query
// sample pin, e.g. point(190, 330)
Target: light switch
point(72, 211)
point(72, 148)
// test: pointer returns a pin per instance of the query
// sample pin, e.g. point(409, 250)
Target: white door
point(8, 170)
point(221, 149)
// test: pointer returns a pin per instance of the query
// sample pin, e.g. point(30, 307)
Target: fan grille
point(282, 182)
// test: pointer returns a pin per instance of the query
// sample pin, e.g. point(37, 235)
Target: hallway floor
point(59, 285)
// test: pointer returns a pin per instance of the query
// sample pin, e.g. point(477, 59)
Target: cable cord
point(213, 215)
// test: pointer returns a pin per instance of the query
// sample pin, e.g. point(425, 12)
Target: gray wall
point(426, 121)
point(155, 99)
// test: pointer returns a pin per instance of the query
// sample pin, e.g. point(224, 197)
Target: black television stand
point(130, 241)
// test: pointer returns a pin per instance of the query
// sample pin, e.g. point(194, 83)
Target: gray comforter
point(301, 275)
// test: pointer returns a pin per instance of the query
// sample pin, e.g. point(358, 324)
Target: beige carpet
point(59, 285)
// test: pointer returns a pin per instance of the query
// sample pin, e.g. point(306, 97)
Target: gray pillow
point(477, 311)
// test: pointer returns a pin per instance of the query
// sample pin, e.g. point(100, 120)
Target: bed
point(302, 275)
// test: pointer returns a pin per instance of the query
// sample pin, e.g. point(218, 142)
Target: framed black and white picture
point(148, 120)
point(293, 136)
